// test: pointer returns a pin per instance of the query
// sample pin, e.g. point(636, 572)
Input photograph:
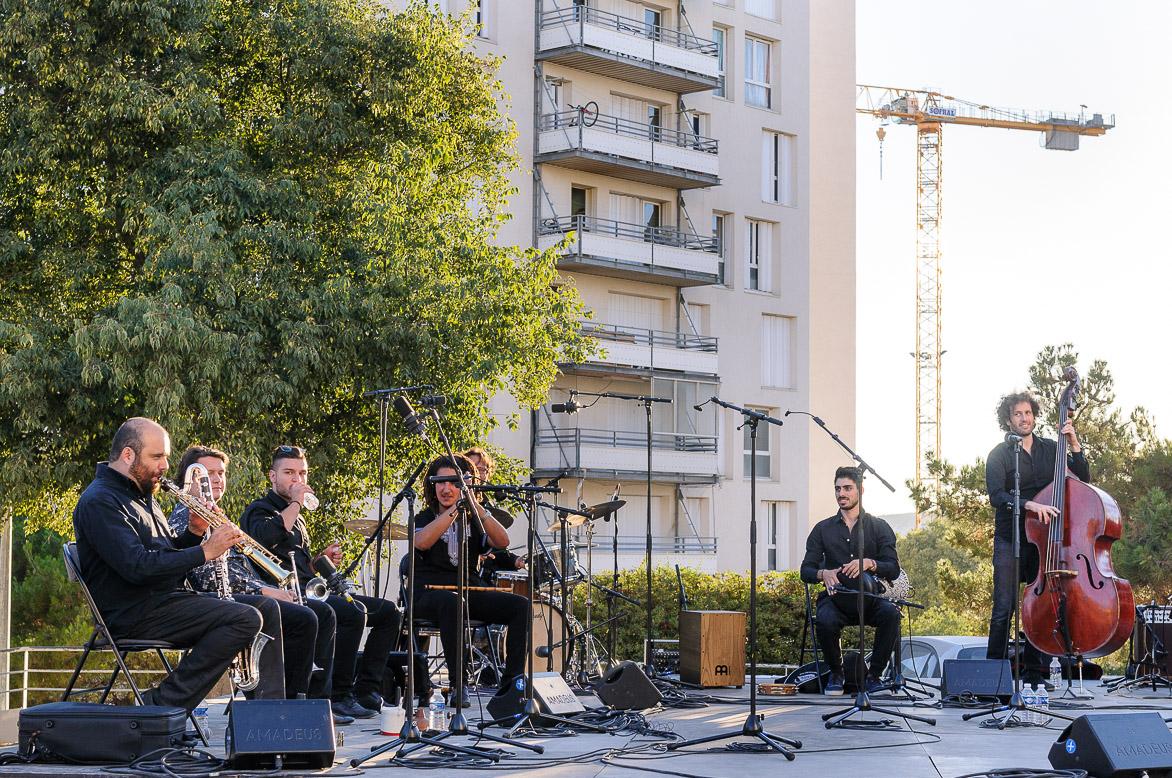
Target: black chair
point(101, 640)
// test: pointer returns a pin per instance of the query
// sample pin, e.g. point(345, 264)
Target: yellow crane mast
point(929, 112)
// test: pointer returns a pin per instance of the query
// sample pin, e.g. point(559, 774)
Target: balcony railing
point(620, 333)
point(670, 441)
point(628, 49)
point(637, 544)
point(635, 250)
point(629, 127)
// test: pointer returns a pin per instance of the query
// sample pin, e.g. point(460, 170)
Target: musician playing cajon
point(134, 565)
point(833, 558)
point(436, 547)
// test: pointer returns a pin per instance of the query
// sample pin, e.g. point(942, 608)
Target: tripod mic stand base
point(863, 705)
point(751, 728)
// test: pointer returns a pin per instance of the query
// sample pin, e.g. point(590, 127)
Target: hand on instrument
point(196, 525)
point(851, 568)
point(278, 594)
point(830, 579)
point(1071, 436)
point(333, 552)
point(1043, 512)
point(520, 563)
point(222, 538)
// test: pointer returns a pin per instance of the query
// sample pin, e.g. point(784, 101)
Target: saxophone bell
point(245, 669)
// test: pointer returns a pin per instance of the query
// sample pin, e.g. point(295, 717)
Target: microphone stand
point(408, 492)
point(752, 726)
point(1016, 701)
point(862, 700)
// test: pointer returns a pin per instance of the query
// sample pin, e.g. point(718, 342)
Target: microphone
point(411, 420)
point(433, 400)
point(543, 651)
point(699, 408)
point(1012, 439)
point(445, 479)
point(569, 406)
point(335, 581)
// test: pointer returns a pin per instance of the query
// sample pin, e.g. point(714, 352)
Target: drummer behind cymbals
point(497, 559)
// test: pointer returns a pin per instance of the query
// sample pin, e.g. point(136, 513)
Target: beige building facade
point(699, 158)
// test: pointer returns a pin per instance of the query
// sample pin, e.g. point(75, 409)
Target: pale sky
point(1040, 247)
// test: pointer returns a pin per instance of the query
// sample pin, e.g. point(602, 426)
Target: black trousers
point(383, 619)
point(215, 631)
point(321, 680)
point(511, 610)
point(287, 660)
point(841, 610)
point(1005, 590)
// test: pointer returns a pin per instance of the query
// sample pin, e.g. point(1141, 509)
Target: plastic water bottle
point(436, 711)
point(1043, 705)
point(1055, 673)
point(200, 714)
point(1029, 696)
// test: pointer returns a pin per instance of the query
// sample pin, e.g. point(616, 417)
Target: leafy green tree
point(236, 217)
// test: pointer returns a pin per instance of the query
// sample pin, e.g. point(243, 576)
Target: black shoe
point(464, 702)
point(370, 700)
point(348, 706)
point(341, 721)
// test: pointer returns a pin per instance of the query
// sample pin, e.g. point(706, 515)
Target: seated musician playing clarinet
point(436, 557)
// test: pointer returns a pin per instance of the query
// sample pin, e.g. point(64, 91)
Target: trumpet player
point(134, 565)
point(276, 522)
point(298, 639)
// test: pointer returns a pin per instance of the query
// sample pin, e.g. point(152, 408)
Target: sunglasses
point(290, 451)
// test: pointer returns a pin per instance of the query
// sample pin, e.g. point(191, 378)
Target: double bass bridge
point(1062, 573)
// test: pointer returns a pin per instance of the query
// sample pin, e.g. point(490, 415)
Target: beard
point(145, 480)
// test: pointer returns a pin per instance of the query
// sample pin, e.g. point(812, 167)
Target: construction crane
point(929, 112)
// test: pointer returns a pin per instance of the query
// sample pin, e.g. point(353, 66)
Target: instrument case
point(92, 733)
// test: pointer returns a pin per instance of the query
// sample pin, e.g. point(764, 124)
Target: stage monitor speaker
point(712, 648)
point(977, 677)
point(1114, 745)
point(551, 692)
point(300, 733)
point(627, 687)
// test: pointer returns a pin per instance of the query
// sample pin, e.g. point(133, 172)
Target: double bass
point(1076, 606)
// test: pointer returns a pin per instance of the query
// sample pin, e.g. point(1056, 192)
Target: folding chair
point(101, 640)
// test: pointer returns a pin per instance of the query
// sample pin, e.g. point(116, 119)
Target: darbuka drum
point(549, 619)
point(513, 581)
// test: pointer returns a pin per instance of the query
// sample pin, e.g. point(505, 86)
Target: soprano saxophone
point(245, 668)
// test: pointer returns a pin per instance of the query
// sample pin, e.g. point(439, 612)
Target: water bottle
point(1043, 706)
point(200, 714)
point(1055, 673)
point(436, 711)
point(1029, 696)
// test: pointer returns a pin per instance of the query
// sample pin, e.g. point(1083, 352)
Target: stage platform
point(908, 749)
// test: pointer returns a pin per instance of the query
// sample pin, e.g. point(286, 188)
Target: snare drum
point(513, 581)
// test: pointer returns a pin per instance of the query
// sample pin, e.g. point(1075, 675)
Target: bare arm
point(427, 535)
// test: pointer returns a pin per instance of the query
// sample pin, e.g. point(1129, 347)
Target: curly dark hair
point(461, 464)
point(1011, 401)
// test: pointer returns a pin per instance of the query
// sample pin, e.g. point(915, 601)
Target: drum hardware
point(366, 528)
point(1148, 661)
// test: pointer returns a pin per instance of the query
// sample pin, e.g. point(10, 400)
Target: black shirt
point(434, 566)
point(262, 520)
point(129, 555)
point(1037, 471)
point(831, 545)
point(242, 576)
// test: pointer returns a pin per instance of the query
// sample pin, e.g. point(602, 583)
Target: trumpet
point(266, 562)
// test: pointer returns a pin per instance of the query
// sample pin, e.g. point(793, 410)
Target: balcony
point(627, 49)
point(639, 351)
point(594, 453)
point(698, 553)
point(613, 146)
point(634, 251)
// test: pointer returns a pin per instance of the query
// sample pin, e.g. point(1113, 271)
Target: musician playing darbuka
point(834, 559)
point(1017, 414)
point(436, 557)
point(287, 660)
point(276, 522)
point(134, 565)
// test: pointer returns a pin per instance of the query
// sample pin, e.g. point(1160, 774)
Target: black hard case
point(91, 733)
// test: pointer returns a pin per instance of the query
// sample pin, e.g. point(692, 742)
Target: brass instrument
point(266, 562)
point(245, 668)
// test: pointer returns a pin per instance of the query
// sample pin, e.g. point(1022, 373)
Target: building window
point(777, 361)
point(777, 169)
point(763, 463)
point(758, 254)
point(654, 122)
point(720, 38)
point(767, 9)
point(652, 21)
point(482, 18)
point(579, 198)
point(778, 531)
point(758, 90)
point(720, 235)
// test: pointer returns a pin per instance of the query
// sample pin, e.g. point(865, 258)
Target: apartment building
point(700, 157)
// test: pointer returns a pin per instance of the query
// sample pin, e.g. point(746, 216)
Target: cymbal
point(365, 527)
point(592, 513)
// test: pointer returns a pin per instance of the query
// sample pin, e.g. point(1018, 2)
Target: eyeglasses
point(290, 451)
